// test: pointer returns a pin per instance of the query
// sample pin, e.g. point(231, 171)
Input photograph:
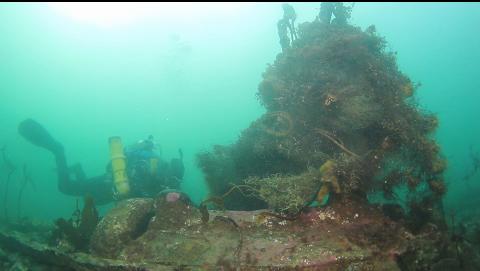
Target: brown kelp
point(475, 158)
point(10, 169)
point(25, 181)
point(77, 230)
point(336, 94)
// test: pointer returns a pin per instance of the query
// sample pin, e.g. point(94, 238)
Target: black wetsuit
point(101, 187)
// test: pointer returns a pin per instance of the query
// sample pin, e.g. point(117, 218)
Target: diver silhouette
point(147, 173)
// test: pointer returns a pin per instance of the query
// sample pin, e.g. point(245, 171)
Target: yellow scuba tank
point(153, 166)
point(119, 166)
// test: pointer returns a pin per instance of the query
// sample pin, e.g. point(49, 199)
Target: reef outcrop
point(171, 234)
point(334, 97)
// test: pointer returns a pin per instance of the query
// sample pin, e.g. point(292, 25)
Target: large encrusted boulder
point(173, 210)
point(124, 223)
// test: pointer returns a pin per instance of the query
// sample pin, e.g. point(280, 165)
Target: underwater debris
point(335, 95)
point(77, 230)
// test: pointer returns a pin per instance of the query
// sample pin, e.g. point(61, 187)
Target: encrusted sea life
point(323, 193)
point(335, 95)
point(329, 181)
point(330, 99)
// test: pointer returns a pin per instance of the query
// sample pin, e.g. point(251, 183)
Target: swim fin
point(39, 136)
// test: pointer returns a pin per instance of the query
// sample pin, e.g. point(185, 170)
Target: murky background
point(188, 74)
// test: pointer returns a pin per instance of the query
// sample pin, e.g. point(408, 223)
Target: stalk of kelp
point(26, 179)
point(11, 168)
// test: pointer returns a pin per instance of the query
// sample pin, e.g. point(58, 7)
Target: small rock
point(126, 222)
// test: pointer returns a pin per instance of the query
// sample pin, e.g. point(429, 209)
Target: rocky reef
point(169, 233)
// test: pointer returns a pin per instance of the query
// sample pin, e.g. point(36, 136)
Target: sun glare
point(108, 14)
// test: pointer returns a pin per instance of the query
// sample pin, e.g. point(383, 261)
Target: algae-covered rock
point(121, 225)
point(173, 210)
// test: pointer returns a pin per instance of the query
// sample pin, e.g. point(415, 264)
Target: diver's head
point(143, 145)
point(146, 144)
point(143, 158)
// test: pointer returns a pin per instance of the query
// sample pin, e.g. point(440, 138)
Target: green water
point(189, 76)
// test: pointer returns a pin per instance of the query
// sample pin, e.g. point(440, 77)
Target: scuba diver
point(285, 25)
point(135, 171)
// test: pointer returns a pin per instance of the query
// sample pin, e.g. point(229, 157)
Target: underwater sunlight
point(111, 14)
